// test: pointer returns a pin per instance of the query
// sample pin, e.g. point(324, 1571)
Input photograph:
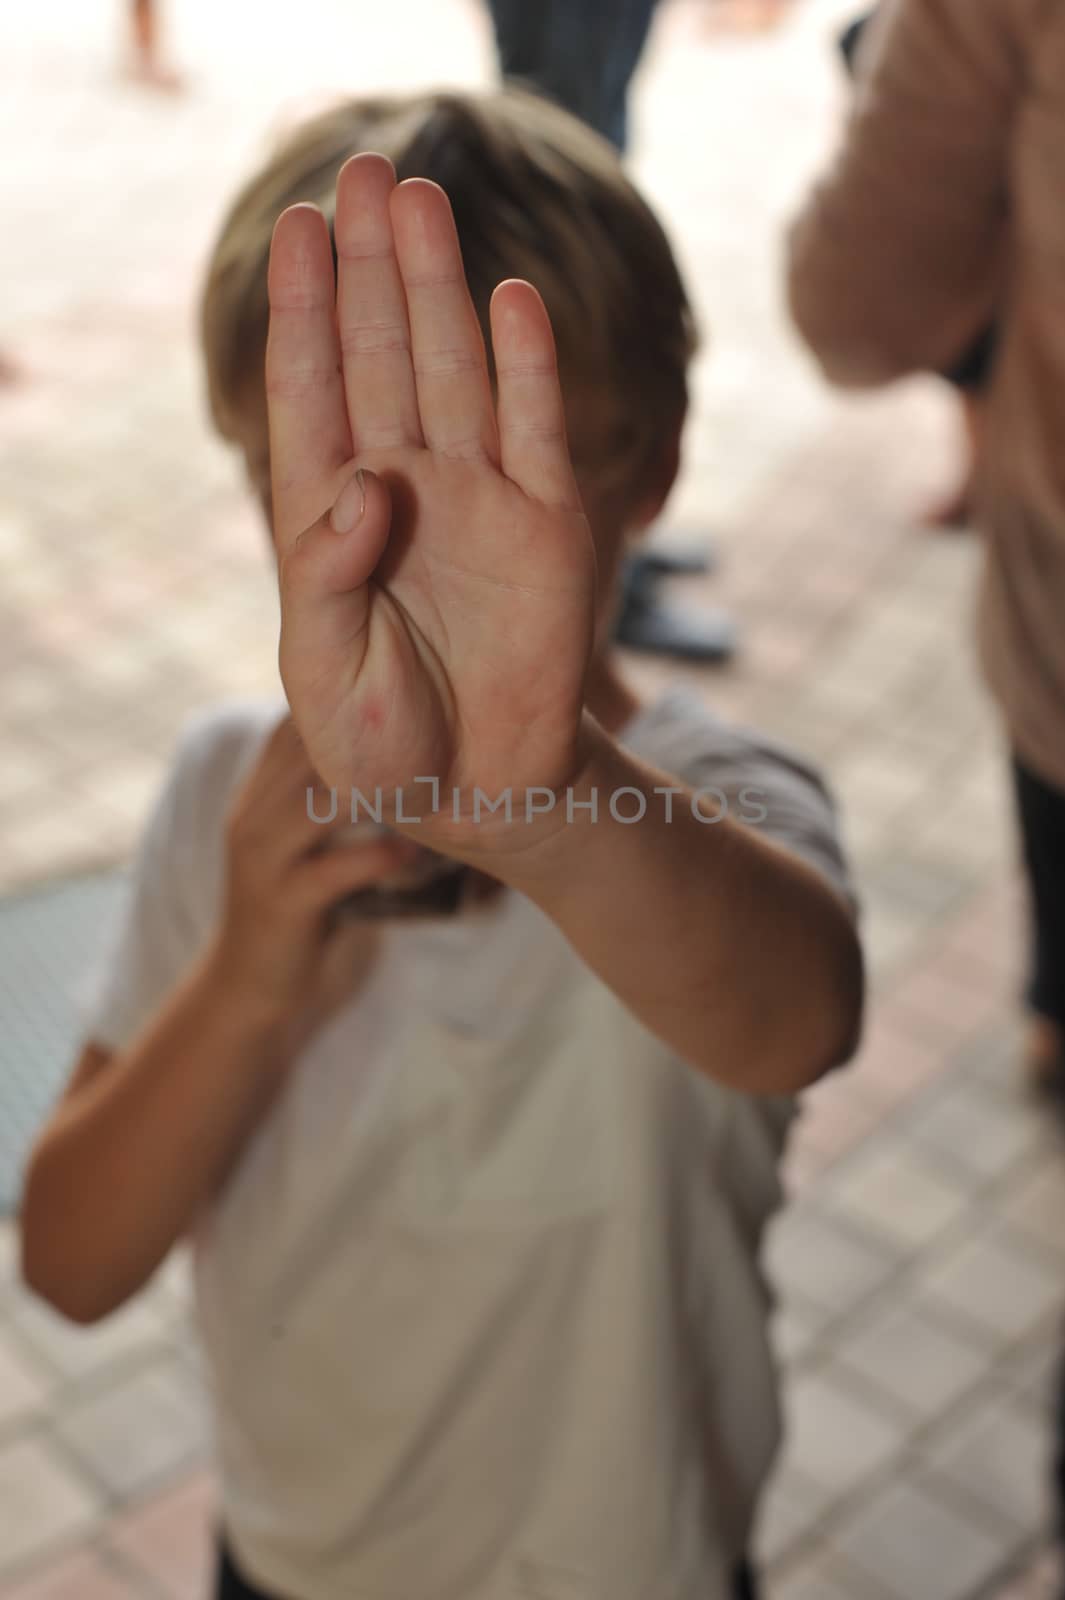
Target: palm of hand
point(447, 634)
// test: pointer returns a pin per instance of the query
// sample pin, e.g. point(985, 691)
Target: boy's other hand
point(446, 630)
point(281, 950)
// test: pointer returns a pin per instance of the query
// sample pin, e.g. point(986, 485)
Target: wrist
point(229, 989)
point(549, 846)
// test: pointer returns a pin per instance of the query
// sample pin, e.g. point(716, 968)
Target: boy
point(476, 1200)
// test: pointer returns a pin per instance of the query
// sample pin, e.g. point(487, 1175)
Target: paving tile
point(987, 937)
point(869, 784)
point(819, 1579)
point(897, 1193)
point(835, 1438)
point(994, 1282)
point(171, 1538)
point(802, 1167)
point(969, 837)
point(143, 1428)
point(1002, 977)
point(976, 1131)
point(913, 886)
point(835, 1116)
point(818, 1262)
point(1037, 1207)
point(44, 829)
point(890, 939)
point(69, 1351)
point(132, 786)
point(787, 1516)
point(29, 769)
point(1036, 1371)
point(994, 1056)
point(1000, 1455)
point(941, 1007)
point(912, 1543)
point(86, 1576)
point(895, 1064)
point(42, 1502)
point(913, 1359)
point(797, 1329)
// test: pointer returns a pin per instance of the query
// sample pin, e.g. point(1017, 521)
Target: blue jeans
point(580, 53)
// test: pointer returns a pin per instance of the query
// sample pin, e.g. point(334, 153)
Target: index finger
point(310, 438)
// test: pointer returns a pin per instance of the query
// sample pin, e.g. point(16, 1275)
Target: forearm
point(731, 950)
point(126, 1164)
point(844, 272)
point(900, 258)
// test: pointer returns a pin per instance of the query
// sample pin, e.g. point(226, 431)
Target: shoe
point(655, 629)
point(645, 624)
point(643, 564)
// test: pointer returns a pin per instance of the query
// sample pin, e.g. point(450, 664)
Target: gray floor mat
point(50, 941)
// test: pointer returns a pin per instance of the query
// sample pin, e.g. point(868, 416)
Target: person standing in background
point(582, 54)
point(146, 59)
point(941, 217)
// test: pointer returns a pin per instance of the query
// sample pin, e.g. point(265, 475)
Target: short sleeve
point(177, 879)
point(154, 938)
point(783, 797)
point(750, 778)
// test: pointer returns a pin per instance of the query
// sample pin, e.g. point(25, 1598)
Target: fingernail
point(350, 503)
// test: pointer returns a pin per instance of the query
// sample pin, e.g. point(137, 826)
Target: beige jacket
point(944, 211)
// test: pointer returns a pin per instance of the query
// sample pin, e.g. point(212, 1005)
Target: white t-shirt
point(481, 1303)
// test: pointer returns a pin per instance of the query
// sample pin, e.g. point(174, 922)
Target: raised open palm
point(446, 633)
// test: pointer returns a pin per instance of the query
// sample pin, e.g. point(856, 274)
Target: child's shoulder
point(215, 749)
point(681, 726)
point(746, 773)
point(218, 745)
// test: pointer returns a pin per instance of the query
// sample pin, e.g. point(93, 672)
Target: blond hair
point(536, 195)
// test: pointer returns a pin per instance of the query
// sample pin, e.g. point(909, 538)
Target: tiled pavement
point(922, 1266)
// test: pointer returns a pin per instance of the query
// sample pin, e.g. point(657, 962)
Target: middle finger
point(372, 320)
point(448, 354)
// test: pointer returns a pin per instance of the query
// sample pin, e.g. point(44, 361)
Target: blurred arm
point(140, 1142)
point(899, 260)
point(731, 950)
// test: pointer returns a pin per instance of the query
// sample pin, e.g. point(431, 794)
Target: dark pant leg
point(1059, 1455)
point(744, 1584)
point(580, 53)
point(1042, 815)
point(231, 1584)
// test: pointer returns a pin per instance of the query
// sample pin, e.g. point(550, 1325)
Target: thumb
point(337, 554)
point(324, 600)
